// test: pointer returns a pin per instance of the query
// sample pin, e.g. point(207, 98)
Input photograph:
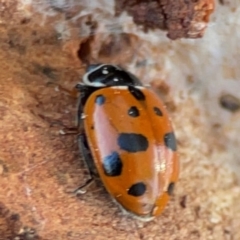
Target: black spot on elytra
point(157, 111)
point(132, 142)
point(171, 188)
point(100, 99)
point(170, 141)
point(112, 165)
point(137, 93)
point(133, 112)
point(137, 189)
point(92, 127)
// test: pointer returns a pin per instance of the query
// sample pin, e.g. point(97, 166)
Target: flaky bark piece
point(180, 18)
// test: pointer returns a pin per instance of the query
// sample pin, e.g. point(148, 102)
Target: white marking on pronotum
point(105, 71)
point(97, 84)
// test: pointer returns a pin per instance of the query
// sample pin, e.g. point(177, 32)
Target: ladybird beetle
point(126, 135)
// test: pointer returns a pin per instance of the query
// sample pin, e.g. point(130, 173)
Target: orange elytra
point(128, 137)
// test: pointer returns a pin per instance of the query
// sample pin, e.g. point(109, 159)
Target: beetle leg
point(82, 189)
point(74, 92)
point(69, 131)
point(88, 160)
point(64, 129)
point(85, 92)
point(78, 129)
